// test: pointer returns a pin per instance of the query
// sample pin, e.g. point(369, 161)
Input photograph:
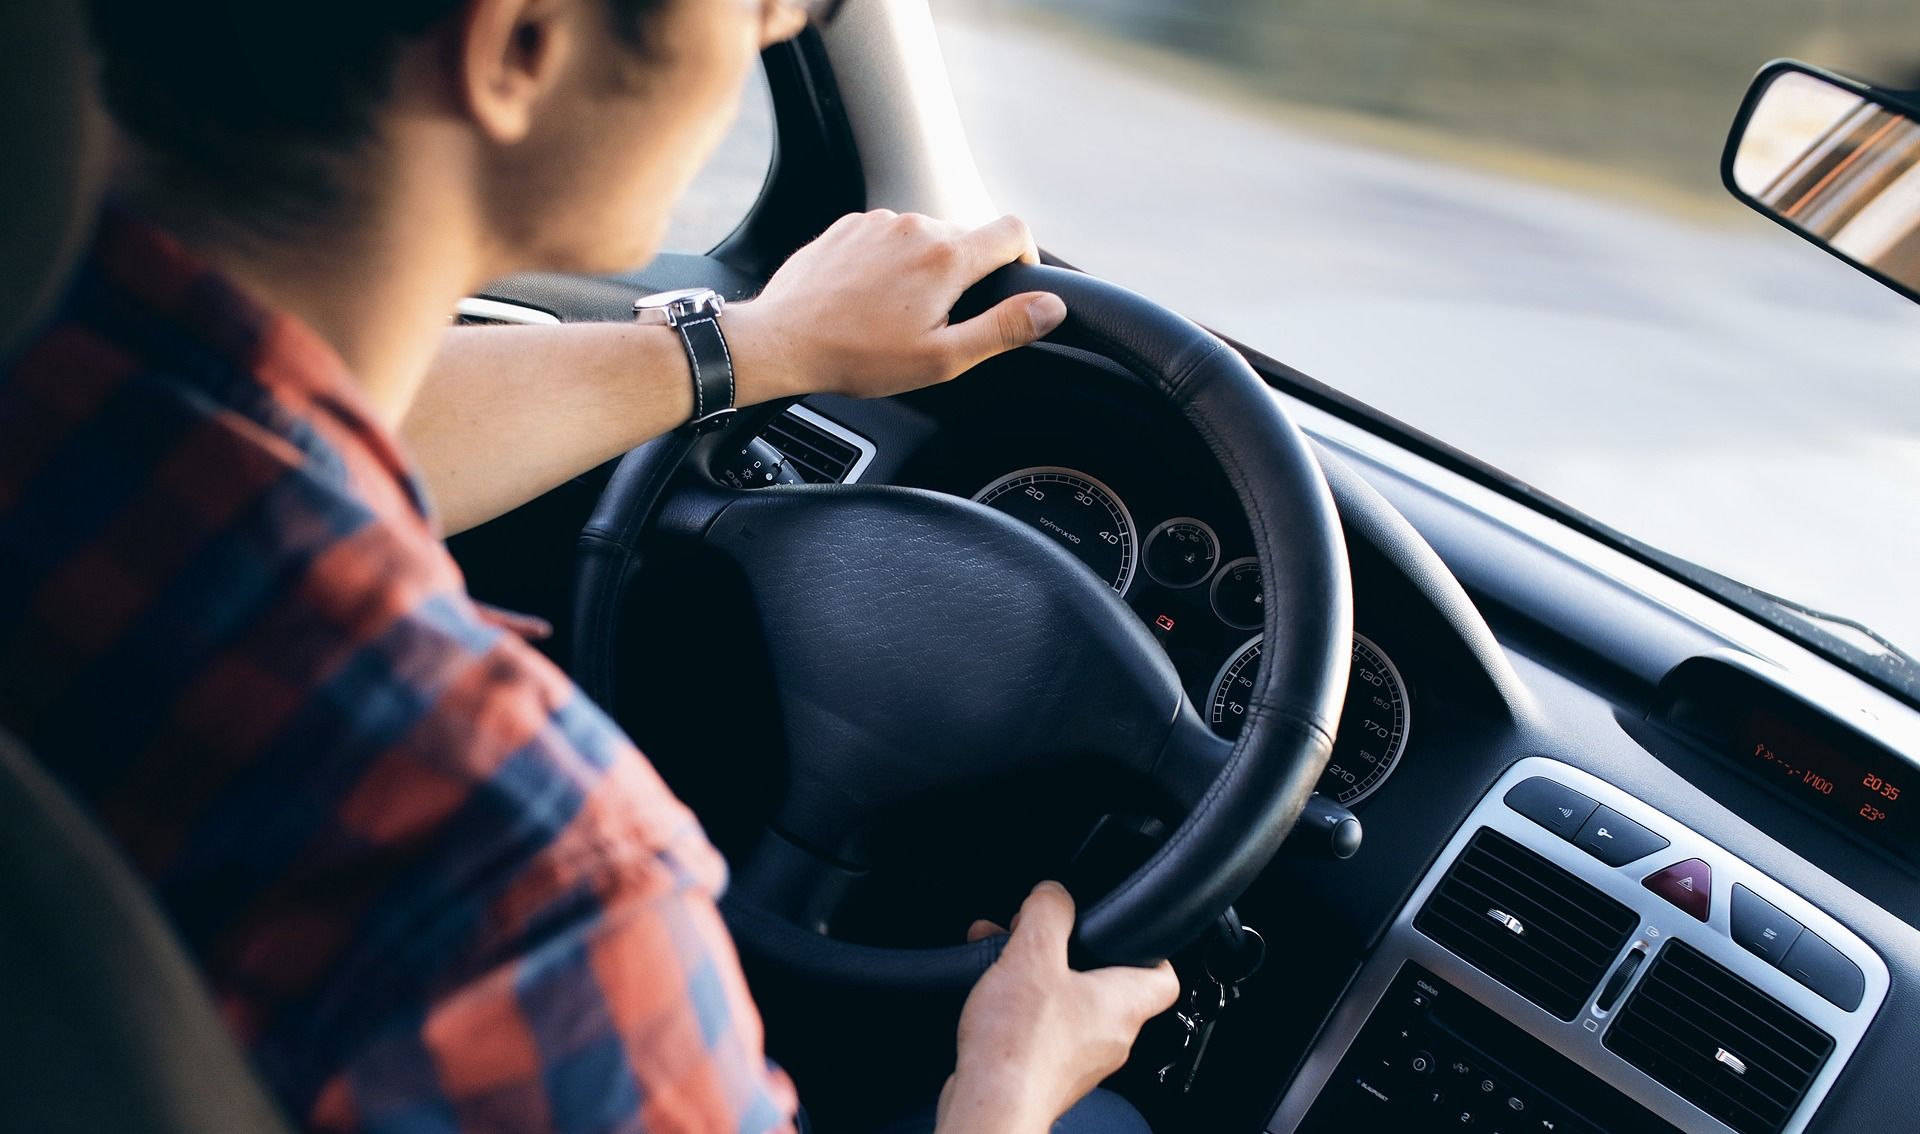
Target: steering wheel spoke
point(1191, 762)
point(794, 883)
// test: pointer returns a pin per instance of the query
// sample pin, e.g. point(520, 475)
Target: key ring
point(1259, 958)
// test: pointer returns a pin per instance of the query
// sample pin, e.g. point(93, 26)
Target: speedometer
point(1076, 510)
point(1373, 723)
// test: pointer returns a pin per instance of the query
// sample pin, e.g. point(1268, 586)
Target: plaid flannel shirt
point(432, 887)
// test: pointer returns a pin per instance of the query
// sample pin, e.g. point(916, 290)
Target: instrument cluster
point(1202, 606)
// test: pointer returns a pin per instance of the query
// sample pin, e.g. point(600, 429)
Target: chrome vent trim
point(820, 449)
point(474, 311)
point(1527, 923)
point(1719, 1042)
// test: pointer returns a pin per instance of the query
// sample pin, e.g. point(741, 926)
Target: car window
point(729, 185)
point(1500, 221)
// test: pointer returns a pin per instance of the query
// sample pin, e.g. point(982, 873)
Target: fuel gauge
point(1239, 597)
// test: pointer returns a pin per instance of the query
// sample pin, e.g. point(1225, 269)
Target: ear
point(782, 25)
point(510, 53)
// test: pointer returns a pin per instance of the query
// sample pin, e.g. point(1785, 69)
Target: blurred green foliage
point(1645, 86)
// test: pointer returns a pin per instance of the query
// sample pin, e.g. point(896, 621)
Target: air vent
point(1718, 1042)
point(1527, 923)
point(820, 449)
point(476, 312)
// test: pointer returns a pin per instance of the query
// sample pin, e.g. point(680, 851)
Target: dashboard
point(1486, 656)
point(1427, 715)
point(1695, 1006)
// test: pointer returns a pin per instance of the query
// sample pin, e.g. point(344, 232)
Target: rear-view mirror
point(1836, 161)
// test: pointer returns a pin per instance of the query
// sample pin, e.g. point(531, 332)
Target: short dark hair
point(257, 101)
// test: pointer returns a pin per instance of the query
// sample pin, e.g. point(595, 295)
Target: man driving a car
point(431, 886)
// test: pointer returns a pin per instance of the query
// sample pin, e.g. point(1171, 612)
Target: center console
point(1431, 1058)
point(1579, 963)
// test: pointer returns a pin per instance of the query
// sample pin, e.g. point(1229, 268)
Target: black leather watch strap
point(713, 385)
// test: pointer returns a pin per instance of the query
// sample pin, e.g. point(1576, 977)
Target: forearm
point(973, 1104)
point(507, 413)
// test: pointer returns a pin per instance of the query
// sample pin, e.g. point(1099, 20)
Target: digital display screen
point(1876, 799)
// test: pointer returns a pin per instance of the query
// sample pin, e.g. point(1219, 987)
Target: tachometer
point(1081, 513)
point(1373, 723)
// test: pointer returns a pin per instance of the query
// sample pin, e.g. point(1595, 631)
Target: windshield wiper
point(1813, 614)
point(1849, 636)
point(1846, 640)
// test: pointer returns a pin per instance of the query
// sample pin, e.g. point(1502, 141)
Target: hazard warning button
point(1688, 885)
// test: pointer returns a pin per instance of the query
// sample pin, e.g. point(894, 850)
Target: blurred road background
point(1500, 221)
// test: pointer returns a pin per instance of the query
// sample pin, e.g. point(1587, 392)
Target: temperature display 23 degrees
point(1864, 797)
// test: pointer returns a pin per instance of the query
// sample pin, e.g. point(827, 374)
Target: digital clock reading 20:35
point(1829, 778)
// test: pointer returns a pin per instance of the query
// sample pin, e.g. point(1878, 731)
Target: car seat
point(105, 1027)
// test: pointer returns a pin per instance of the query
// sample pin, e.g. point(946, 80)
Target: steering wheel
point(919, 641)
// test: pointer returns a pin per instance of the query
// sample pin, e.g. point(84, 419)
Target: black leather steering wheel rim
point(1238, 818)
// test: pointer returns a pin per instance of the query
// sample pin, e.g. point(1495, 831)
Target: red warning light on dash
point(1164, 622)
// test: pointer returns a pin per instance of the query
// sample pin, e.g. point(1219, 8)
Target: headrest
point(51, 143)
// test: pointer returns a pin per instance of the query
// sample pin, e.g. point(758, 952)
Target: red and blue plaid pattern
point(432, 886)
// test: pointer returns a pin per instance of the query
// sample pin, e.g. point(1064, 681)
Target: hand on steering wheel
point(1035, 1035)
point(920, 641)
point(863, 310)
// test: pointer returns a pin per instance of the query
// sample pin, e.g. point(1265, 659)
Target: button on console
point(1555, 806)
point(1821, 967)
point(1688, 885)
point(1615, 839)
point(1761, 928)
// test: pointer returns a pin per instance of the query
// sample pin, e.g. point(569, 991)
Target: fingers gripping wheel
point(941, 659)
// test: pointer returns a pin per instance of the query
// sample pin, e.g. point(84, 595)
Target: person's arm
point(607, 996)
point(507, 413)
point(1035, 1035)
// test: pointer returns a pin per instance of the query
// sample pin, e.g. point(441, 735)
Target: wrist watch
point(695, 313)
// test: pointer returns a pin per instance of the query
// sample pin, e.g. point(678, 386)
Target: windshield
point(1500, 221)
